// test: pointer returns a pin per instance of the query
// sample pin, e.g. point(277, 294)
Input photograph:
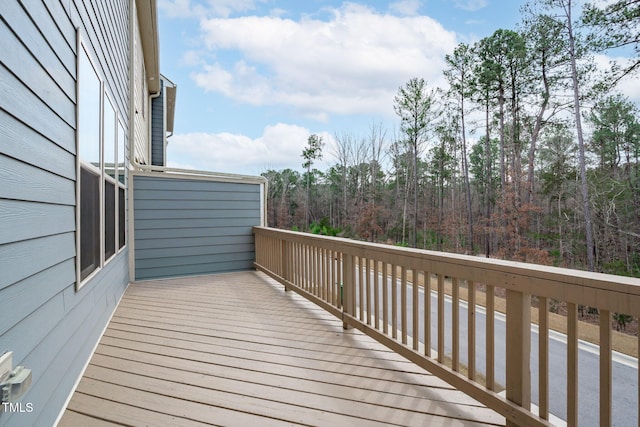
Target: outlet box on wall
point(6, 365)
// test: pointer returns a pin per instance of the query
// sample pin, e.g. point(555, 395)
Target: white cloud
point(192, 58)
point(405, 7)
point(220, 8)
point(470, 5)
point(279, 146)
point(180, 8)
point(353, 63)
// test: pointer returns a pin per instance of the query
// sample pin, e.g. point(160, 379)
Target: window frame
point(119, 170)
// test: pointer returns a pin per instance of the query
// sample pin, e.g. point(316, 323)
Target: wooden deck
point(235, 349)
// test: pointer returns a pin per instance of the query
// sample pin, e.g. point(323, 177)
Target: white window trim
point(100, 172)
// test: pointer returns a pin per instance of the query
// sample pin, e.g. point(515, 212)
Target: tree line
point(530, 153)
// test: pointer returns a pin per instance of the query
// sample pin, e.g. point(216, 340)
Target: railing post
point(348, 287)
point(518, 349)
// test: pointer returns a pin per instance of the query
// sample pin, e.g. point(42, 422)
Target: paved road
point(625, 369)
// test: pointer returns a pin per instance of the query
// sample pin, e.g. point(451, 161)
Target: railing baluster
point(403, 304)
point(313, 283)
point(299, 258)
point(294, 263)
point(322, 274)
point(471, 330)
point(301, 280)
point(313, 256)
point(490, 327)
point(310, 269)
point(455, 324)
point(339, 279)
point(271, 245)
point(332, 277)
point(317, 271)
point(416, 306)
point(327, 275)
point(440, 318)
point(394, 301)
point(385, 299)
point(307, 266)
point(605, 368)
point(367, 274)
point(376, 293)
point(322, 271)
point(348, 275)
point(572, 364)
point(361, 262)
point(352, 292)
point(334, 281)
point(427, 313)
point(543, 357)
point(286, 262)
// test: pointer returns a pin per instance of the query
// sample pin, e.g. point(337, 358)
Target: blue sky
point(256, 77)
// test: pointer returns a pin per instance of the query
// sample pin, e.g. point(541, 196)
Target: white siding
point(141, 102)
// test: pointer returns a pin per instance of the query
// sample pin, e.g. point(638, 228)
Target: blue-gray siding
point(187, 226)
point(157, 129)
point(51, 327)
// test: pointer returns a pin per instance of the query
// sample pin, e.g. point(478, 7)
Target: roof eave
point(148, 21)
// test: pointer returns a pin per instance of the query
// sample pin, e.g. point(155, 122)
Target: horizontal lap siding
point(187, 227)
point(157, 129)
point(51, 327)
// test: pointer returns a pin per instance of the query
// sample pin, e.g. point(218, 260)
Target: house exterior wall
point(51, 326)
point(141, 105)
point(186, 226)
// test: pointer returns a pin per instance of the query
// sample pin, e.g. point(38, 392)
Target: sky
point(256, 78)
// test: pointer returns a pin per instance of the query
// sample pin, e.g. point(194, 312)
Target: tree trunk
point(414, 239)
point(487, 152)
point(465, 171)
point(581, 148)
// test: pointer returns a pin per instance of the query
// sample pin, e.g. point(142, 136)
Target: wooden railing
point(371, 287)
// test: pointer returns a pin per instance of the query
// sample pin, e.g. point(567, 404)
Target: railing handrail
point(582, 287)
point(347, 277)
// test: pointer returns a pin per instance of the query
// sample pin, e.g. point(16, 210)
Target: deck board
point(235, 349)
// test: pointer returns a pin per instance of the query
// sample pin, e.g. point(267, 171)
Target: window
point(89, 93)
point(120, 178)
point(101, 171)
point(110, 171)
point(89, 222)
